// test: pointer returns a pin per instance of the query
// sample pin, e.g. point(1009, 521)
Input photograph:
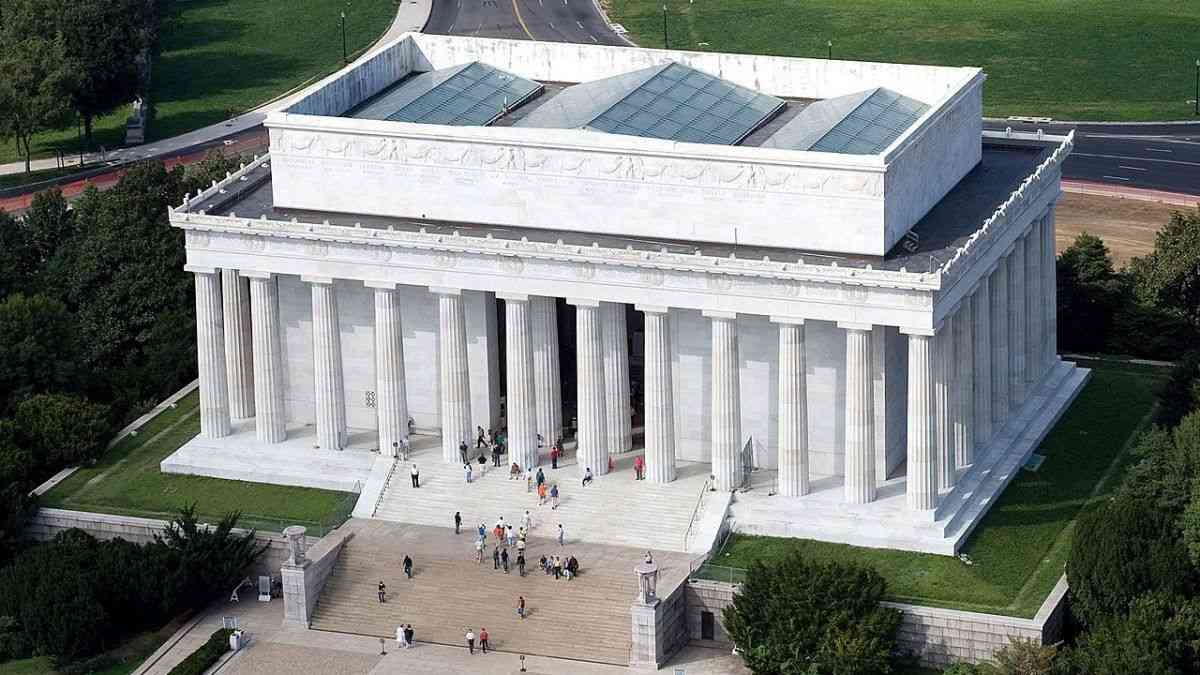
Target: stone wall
point(936, 636)
point(48, 523)
point(302, 585)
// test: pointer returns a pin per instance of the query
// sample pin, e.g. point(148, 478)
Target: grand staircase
point(586, 619)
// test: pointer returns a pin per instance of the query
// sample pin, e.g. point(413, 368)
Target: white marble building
point(845, 275)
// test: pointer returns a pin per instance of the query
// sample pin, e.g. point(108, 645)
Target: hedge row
point(203, 658)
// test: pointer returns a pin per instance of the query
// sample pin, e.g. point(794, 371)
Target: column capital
point(652, 309)
point(714, 314)
point(513, 297)
point(793, 320)
point(252, 274)
point(381, 285)
point(583, 302)
point(319, 281)
point(445, 290)
point(200, 269)
point(851, 325)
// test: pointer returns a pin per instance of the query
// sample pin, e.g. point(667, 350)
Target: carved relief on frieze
point(719, 282)
point(585, 270)
point(512, 265)
point(316, 249)
point(387, 149)
point(445, 259)
point(254, 243)
point(652, 277)
point(381, 253)
point(197, 239)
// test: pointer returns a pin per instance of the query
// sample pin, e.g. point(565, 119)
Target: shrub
point(1181, 392)
point(798, 616)
point(1023, 657)
point(1121, 550)
point(203, 658)
point(62, 430)
point(206, 560)
point(1158, 637)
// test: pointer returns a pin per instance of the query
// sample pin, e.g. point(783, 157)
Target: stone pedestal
point(649, 646)
point(296, 599)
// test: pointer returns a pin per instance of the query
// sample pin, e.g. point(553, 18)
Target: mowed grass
point(1020, 548)
point(224, 57)
point(127, 481)
point(1067, 59)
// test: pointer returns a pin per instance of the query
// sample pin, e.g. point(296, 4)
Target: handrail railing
point(386, 482)
point(695, 511)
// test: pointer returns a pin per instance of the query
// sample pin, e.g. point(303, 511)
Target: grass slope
point(1068, 59)
point(1020, 547)
point(126, 481)
point(223, 57)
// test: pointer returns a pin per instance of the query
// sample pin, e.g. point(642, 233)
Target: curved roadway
point(546, 20)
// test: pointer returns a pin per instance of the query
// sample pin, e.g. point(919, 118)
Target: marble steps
point(449, 593)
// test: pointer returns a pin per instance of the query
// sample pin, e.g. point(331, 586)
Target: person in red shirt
point(483, 639)
point(638, 467)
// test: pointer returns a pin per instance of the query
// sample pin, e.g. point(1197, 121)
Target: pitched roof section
point(473, 94)
point(669, 101)
point(864, 123)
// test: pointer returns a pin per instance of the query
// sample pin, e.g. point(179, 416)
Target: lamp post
point(829, 47)
point(1197, 110)
point(666, 40)
point(344, 60)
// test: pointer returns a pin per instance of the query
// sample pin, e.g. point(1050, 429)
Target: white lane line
point(1157, 150)
point(1116, 178)
point(1132, 168)
point(580, 24)
point(552, 26)
point(593, 38)
point(1135, 159)
point(451, 31)
point(477, 29)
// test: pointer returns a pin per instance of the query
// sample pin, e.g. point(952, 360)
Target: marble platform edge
point(195, 458)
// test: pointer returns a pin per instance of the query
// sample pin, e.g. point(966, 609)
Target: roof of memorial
point(471, 94)
point(863, 123)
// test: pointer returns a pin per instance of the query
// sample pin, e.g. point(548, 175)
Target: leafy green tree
point(1022, 657)
point(1121, 550)
point(208, 560)
point(15, 479)
point(1089, 293)
point(37, 347)
point(801, 616)
point(61, 430)
point(1168, 461)
point(36, 79)
point(1170, 276)
point(1157, 637)
point(1181, 392)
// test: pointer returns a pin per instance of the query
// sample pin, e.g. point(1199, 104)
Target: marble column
point(239, 341)
point(943, 402)
point(391, 393)
point(981, 313)
point(546, 371)
point(210, 353)
point(591, 448)
point(455, 378)
point(860, 415)
point(964, 383)
point(1049, 290)
point(726, 402)
point(521, 404)
point(660, 396)
point(998, 290)
point(270, 415)
point(1016, 326)
point(1034, 362)
point(921, 491)
point(327, 365)
point(615, 339)
point(793, 409)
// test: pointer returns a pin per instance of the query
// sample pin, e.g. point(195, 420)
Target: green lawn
point(1067, 59)
point(1020, 548)
point(127, 482)
point(223, 57)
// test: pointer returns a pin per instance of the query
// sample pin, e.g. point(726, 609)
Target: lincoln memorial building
point(817, 285)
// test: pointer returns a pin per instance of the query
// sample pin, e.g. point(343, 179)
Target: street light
point(829, 46)
point(1197, 111)
point(666, 41)
point(344, 59)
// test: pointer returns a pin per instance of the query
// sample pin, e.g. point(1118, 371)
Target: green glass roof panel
point(863, 123)
point(472, 94)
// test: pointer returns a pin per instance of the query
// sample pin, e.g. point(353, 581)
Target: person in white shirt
point(416, 476)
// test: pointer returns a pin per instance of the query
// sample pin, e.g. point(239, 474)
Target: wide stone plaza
point(815, 287)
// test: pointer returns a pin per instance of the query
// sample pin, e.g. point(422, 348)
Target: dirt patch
point(1126, 225)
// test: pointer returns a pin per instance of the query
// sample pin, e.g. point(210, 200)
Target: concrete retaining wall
point(48, 523)
point(937, 637)
point(302, 585)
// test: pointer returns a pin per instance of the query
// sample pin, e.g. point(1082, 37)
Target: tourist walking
point(541, 494)
point(560, 534)
point(457, 522)
point(483, 639)
point(554, 456)
point(495, 455)
point(557, 567)
point(587, 476)
point(480, 441)
point(529, 479)
point(405, 448)
point(638, 467)
point(496, 558)
point(521, 606)
point(526, 521)
point(396, 453)
point(479, 545)
point(467, 471)
point(401, 637)
point(416, 476)
point(470, 641)
point(382, 591)
point(554, 496)
point(520, 560)
point(412, 427)
point(408, 567)
point(504, 560)
point(410, 636)
point(510, 536)
point(462, 451)
point(482, 531)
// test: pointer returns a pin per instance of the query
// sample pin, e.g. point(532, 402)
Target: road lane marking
point(477, 29)
point(517, 11)
point(451, 31)
point(1116, 178)
point(1132, 168)
point(580, 24)
point(593, 38)
point(1134, 159)
point(1157, 150)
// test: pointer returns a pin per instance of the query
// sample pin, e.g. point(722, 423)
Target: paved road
point(548, 20)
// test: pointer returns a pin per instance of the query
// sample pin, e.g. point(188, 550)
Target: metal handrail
point(386, 482)
point(695, 511)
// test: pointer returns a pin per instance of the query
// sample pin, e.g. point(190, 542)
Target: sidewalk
point(411, 15)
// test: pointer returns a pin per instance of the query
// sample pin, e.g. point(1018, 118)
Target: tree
point(37, 348)
point(1158, 637)
point(61, 430)
point(207, 560)
point(36, 80)
point(800, 616)
point(1181, 392)
point(1089, 293)
point(1170, 276)
point(1022, 657)
point(1121, 550)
